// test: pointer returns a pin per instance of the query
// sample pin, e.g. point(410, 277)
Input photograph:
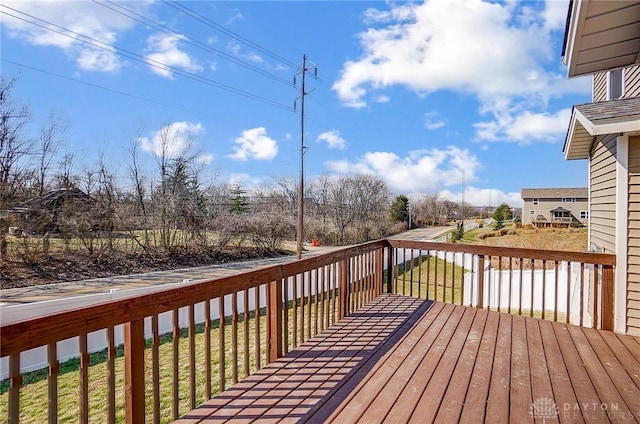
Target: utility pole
point(306, 67)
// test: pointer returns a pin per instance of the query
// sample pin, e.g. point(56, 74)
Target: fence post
point(134, 345)
point(379, 272)
point(274, 324)
point(607, 297)
point(481, 282)
point(343, 290)
point(390, 266)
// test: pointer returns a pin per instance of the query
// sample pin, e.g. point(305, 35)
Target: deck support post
point(379, 272)
point(274, 323)
point(607, 297)
point(134, 345)
point(390, 266)
point(480, 282)
point(343, 290)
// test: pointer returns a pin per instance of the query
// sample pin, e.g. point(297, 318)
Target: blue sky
point(424, 95)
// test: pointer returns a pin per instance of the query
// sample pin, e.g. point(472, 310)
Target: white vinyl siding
point(633, 241)
point(603, 194)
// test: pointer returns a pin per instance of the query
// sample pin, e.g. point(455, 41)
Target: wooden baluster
point(315, 303)
point(307, 279)
point(544, 289)
point(596, 304)
point(258, 316)
point(343, 289)
point(155, 366)
point(222, 346)
point(557, 288)
point(52, 382)
point(510, 283)
point(83, 382)
point(435, 275)
point(322, 297)
point(499, 282)
point(15, 385)
point(245, 319)
point(175, 347)
point(295, 311)
point(192, 356)
point(234, 337)
point(207, 349)
point(480, 281)
point(533, 272)
point(302, 306)
point(581, 299)
point(444, 277)
point(521, 291)
point(111, 376)
point(453, 278)
point(428, 273)
point(568, 317)
point(134, 371)
point(285, 317)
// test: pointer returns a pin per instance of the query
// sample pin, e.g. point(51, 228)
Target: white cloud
point(525, 127)
point(484, 196)
point(234, 48)
point(254, 144)
point(419, 171)
point(167, 55)
point(433, 120)
point(174, 140)
point(89, 19)
point(333, 139)
point(555, 14)
point(204, 158)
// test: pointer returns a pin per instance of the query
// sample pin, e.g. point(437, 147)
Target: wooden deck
point(402, 359)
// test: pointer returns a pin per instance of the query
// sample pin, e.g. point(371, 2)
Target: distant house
point(555, 207)
point(46, 213)
point(602, 40)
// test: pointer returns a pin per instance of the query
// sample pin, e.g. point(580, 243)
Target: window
point(564, 200)
point(535, 200)
point(573, 200)
point(532, 212)
point(584, 214)
point(615, 84)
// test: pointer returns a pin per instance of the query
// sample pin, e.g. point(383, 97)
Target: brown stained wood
point(444, 278)
point(155, 366)
point(390, 377)
point(544, 289)
point(500, 375)
point(274, 320)
point(621, 380)
point(581, 300)
point(520, 394)
point(175, 352)
point(83, 383)
point(245, 322)
point(207, 349)
point(257, 318)
point(533, 271)
point(420, 273)
point(111, 376)
point(404, 271)
point(428, 406)
point(316, 300)
point(540, 379)
point(390, 269)
point(480, 272)
point(192, 356)
point(309, 303)
point(221, 345)
point(557, 287)
point(510, 284)
point(521, 286)
point(453, 277)
point(294, 319)
point(52, 383)
point(15, 384)
point(563, 393)
point(234, 337)
point(343, 290)
point(568, 314)
point(453, 400)
point(607, 297)
point(414, 388)
point(435, 276)
point(323, 292)
point(134, 372)
point(428, 277)
point(629, 362)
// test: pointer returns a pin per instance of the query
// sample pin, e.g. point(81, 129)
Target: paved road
point(104, 285)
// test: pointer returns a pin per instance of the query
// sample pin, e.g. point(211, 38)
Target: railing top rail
point(553, 255)
point(24, 335)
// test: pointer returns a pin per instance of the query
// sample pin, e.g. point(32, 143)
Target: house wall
point(631, 84)
point(633, 240)
point(632, 81)
point(545, 205)
point(603, 194)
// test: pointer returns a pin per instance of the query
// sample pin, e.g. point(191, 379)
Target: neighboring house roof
point(593, 119)
point(555, 193)
point(601, 35)
point(53, 199)
point(560, 209)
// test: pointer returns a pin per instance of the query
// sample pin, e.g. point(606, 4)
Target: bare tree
point(49, 141)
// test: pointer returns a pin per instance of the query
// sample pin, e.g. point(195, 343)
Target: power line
point(134, 56)
point(101, 87)
point(182, 37)
point(195, 15)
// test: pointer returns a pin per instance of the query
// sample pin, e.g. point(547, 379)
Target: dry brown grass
point(568, 239)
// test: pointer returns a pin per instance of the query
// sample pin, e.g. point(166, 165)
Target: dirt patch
point(58, 267)
point(566, 239)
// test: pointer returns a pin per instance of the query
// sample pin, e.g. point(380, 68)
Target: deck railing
point(181, 346)
point(571, 287)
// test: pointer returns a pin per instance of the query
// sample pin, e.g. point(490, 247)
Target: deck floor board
point(401, 359)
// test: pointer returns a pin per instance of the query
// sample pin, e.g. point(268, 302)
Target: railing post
point(607, 297)
point(274, 324)
point(390, 266)
point(481, 282)
point(134, 371)
point(343, 290)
